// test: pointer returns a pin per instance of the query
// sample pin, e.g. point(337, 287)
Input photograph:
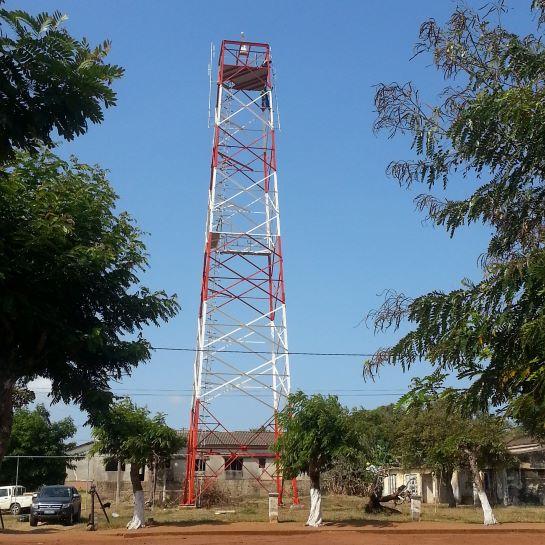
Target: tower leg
point(191, 460)
point(279, 479)
point(295, 492)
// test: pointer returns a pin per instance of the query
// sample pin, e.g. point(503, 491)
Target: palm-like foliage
point(48, 81)
point(489, 126)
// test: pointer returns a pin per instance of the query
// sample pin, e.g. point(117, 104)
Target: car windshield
point(54, 492)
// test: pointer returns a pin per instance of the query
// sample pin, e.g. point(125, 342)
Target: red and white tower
point(242, 362)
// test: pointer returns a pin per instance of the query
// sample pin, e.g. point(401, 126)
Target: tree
point(315, 432)
point(48, 81)
point(488, 127)
point(436, 432)
point(373, 435)
point(71, 305)
point(433, 432)
point(35, 434)
point(425, 439)
point(128, 434)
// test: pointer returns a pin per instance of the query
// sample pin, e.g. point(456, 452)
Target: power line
point(311, 390)
point(333, 354)
point(185, 393)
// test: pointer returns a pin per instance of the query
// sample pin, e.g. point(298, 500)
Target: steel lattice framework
point(242, 344)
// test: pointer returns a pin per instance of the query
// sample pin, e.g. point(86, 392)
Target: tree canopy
point(439, 436)
point(127, 433)
point(487, 126)
point(34, 433)
point(315, 430)
point(71, 304)
point(48, 81)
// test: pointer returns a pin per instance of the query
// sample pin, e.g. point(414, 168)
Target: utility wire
point(336, 354)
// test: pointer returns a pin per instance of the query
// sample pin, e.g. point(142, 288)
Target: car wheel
point(33, 520)
point(15, 509)
point(70, 519)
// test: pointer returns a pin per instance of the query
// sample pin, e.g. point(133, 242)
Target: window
point(262, 463)
point(200, 464)
point(111, 465)
point(391, 484)
point(411, 482)
point(233, 468)
point(3, 492)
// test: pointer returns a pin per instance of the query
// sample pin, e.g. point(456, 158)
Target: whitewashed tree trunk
point(488, 514)
point(315, 515)
point(138, 518)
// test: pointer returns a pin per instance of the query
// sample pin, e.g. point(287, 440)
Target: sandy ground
point(253, 533)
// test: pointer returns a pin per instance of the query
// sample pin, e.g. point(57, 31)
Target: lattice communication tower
point(242, 359)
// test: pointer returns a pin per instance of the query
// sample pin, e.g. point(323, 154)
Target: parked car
point(15, 499)
point(62, 503)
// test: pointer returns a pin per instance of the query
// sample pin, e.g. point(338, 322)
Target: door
point(427, 488)
point(5, 498)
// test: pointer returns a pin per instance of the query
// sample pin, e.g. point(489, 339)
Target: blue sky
point(348, 231)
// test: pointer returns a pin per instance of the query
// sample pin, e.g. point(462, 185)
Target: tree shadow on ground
point(361, 523)
point(183, 523)
point(34, 531)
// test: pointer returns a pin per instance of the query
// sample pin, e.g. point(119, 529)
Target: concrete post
point(273, 507)
point(416, 507)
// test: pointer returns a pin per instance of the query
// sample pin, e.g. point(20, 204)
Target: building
point(524, 482)
point(250, 475)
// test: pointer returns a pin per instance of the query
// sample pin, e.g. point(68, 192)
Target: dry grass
point(341, 509)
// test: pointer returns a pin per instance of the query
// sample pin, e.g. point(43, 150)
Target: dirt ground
point(258, 533)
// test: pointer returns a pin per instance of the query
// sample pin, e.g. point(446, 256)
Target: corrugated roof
point(218, 439)
point(237, 439)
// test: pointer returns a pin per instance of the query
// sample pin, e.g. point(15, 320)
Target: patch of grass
point(338, 509)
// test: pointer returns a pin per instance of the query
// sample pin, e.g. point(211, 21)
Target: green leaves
point(315, 431)
point(432, 431)
point(49, 81)
point(71, 303)
point(488, 126)
point(128, 433)
point(34, 433)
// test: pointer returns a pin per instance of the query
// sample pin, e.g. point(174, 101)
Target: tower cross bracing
point(242, 343)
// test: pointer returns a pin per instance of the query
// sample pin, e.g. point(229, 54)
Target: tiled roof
point(237, 439)
point(218, 439)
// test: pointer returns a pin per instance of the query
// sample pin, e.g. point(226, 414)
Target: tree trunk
point(118, 486)
point(164, 493)
point(376, 497)
point(315, 515)
point(138, 518)
point(488, 515)
point(6, 413)
point(155, 463)
point(446, 477)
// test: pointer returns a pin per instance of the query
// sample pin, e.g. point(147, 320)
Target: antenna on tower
point(243, 47)
point(212, 51)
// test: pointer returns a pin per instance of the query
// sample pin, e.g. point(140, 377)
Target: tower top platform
point(245, 65)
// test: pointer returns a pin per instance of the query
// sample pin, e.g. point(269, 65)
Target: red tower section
point(242, 360)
